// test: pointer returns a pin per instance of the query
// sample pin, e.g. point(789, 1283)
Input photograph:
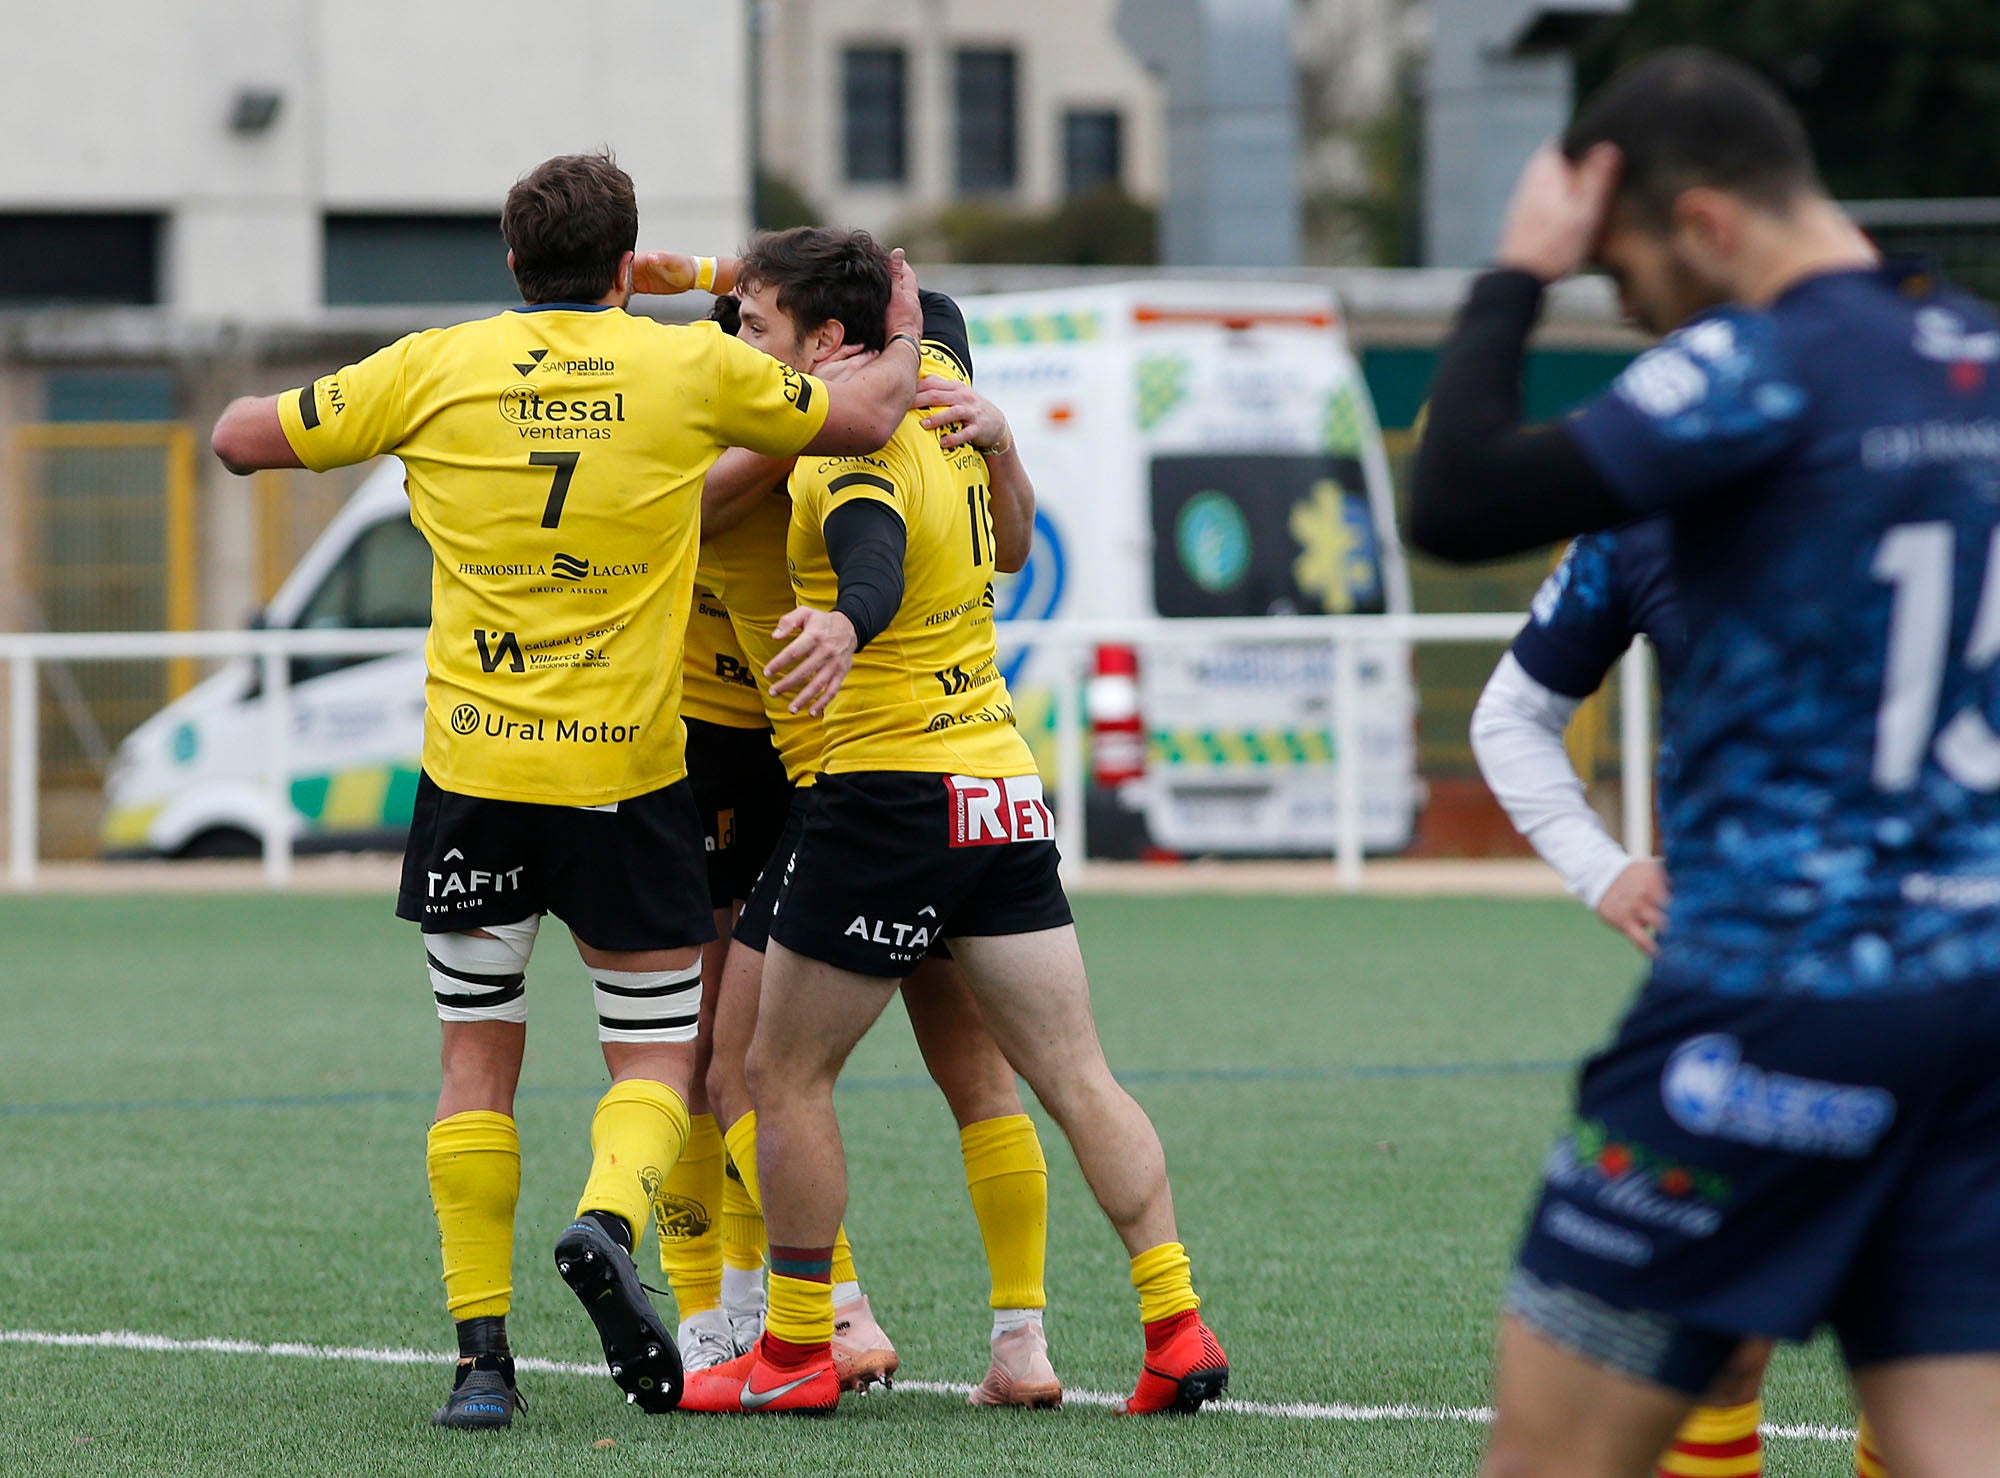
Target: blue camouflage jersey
point(1609, 588)
point(1831, 468)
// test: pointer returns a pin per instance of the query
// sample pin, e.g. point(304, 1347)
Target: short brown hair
point(823, 275)
point(568, 221)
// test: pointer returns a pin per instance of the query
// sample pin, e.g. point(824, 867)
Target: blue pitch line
point(1360, 1072)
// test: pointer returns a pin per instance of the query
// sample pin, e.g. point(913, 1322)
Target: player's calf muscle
point(963, 1059)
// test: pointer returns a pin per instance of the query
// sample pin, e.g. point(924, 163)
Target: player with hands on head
point(1796, 1124)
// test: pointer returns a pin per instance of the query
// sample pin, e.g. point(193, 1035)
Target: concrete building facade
point(253, 154)
point(885, 111)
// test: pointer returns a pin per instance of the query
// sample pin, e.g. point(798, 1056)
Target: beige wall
point(1070, 57)
point(391, 105)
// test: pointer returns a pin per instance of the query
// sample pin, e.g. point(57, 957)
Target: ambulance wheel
point(223, 841)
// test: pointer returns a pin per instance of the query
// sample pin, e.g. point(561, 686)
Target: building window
point(80, 258)
point(416, 259)
point(985, 86)
point(875, 121)
point(1093, 152)
point(109, 395)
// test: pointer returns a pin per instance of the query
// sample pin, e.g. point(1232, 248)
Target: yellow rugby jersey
point(720, 686)
point(746, 567)
point(927, 694)
point(554, 459)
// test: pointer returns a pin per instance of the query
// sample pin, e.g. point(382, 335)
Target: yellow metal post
point(182, 614)
point(109, 520)
point(274, 545)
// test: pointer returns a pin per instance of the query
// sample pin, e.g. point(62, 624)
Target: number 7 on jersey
point(565, 466)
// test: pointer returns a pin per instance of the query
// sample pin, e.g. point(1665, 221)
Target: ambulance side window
point(382, 581)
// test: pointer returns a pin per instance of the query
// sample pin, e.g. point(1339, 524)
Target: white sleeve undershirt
point(1517, 737)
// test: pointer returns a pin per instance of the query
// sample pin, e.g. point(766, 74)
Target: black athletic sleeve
point(1486, 486)
point(944, 325)
point(865, 543)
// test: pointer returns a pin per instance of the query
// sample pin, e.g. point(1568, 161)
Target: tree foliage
point(780, 204)
point(1901, 97)
point(1103, 228)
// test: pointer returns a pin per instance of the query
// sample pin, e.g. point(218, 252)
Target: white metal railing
point(1067, 642)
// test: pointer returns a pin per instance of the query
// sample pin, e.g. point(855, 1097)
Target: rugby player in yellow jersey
point(554, 457)
point(927, 821)
point(834, 278)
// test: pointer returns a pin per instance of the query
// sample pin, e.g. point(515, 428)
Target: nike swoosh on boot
point(757, 1400)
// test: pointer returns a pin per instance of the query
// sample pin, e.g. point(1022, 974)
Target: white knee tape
point(475, 978)
point(647, 1005)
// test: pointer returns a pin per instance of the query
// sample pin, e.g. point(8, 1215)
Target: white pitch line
point(160, 1344)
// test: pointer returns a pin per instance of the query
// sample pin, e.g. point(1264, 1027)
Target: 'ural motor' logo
point(464, 719)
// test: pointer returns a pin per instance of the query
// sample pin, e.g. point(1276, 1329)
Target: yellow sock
point(741, 1138)
point(843, 1258)
point(1867, 1454)
point(687, 1209)
point(475, 1171)
point(742, 1226)
point(636, 1135)
point(1717, 1442)
point(1009, 1182)
point(801, 1310)
point(1165, 1282)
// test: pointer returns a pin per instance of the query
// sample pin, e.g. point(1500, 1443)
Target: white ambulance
point(190, 781)
point(1204, 449)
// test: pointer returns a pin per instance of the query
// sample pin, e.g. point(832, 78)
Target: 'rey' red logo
point(990, 813)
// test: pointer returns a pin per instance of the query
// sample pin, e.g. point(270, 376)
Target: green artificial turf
point(212, 1116)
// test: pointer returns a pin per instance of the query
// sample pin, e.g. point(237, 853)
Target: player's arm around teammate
point(964, 417)
point(554, 771)
point(861, 414)
point(827, 276)
point(875, 878)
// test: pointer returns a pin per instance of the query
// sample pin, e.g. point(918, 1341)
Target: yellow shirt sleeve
point(879, 478)
point(763, 404)
point(352, 414)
